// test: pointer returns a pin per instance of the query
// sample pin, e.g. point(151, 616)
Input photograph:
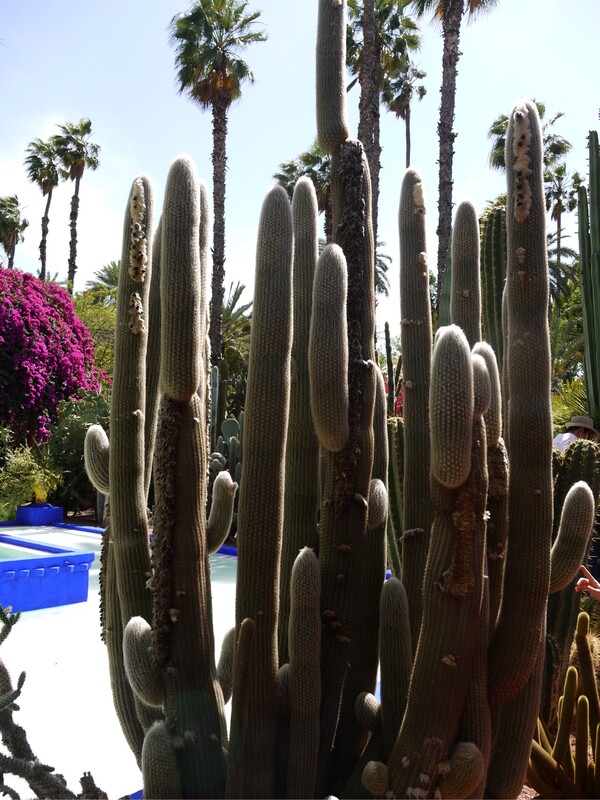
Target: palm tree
point(555, 147)
point(562, 187)
point(450, 13)
point(42, 168)
point(107, 277)
point(316, 165)
point(207, 41)
point(379, 40)
point(12, 225)
point(76, 152)
point(397, 95)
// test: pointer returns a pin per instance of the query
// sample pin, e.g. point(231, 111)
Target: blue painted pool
point(44, 566)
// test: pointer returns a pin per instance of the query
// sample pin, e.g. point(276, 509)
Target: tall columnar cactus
point(302, 449)
point(465, 302)
point(514, 671)
point(530, 419)
point(260, 520)
point(493, 275)
point(416, 337)
point(589, 249)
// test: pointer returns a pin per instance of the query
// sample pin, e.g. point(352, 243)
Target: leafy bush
point(46, 354)
point(65, 446)
point(27, 475)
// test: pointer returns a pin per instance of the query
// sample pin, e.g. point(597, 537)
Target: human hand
point(588, 584)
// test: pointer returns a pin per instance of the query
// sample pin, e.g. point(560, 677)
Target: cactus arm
point(328, 351)
point(96, 457)
point(153, 358)
point(260, 506)
point(221, 511)
point(304, 675)
point(395, 655)
point(573, 539)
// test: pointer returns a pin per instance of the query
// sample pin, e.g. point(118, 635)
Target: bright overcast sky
point(111, 61)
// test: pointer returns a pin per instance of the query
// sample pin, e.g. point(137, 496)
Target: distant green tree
point(207, 41)
point(41, 164)
point(316, 165)
point(96, 308)
point(107, 277)
point(12, 225)
point(555, 146)
point(237, 323)
point(398, 94)
point(77, 153)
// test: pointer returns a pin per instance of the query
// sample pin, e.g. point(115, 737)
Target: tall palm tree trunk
point(219, 159)
point(11, 256)
point(407, 134)
point(73, 242)
point(368, 126)
point(45, 225)
point(451, 36)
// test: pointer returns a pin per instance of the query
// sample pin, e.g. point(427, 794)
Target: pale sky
point(61, 60)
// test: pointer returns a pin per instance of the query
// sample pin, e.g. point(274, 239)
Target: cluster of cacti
point(557, 768)
point(459, 690)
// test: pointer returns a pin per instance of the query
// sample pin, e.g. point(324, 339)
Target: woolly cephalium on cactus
point(314, 618)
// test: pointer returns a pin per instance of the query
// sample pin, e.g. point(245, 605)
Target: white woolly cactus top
point(138, 254)
point(521, 149)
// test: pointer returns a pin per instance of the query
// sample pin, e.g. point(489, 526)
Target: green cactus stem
point(574, 533)
point(301, 501)
point(522, 614)
point(328, 351)
point(415, 313)
point(332, 125)
point(452, 587)
point(304, 675)
point(96, 456)
point(221, 511)
point(465, 302)
point(260, 507)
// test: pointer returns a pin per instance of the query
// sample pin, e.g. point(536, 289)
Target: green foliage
point(66, 441)
point(27, 475)
point(12, 225)
point(95, 307)
point(568, 401)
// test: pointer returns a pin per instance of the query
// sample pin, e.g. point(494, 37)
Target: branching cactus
point(302, 670)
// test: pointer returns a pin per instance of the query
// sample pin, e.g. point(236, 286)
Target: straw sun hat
point(582, 422)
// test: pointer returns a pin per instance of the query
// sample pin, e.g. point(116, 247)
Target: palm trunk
point(451, 34)
point(11, 256)
point(73, 242)
point(45, 225)
point(407, 134)
point(368, 126)
point(219, 160)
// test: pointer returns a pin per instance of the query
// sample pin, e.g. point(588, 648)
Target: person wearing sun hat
point(577, 428)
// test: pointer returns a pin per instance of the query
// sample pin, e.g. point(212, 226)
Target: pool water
point(67, 671)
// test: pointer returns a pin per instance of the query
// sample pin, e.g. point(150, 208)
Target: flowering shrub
point(46, 353)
